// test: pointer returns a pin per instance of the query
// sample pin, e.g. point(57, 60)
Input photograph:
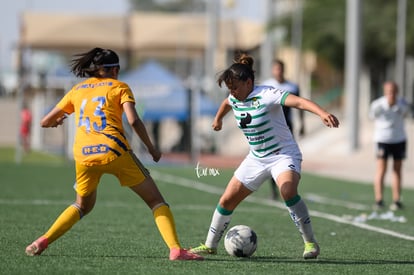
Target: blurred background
point(339, 52)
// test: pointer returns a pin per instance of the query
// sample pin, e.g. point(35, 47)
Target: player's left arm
point(139, 128)
point(304, 104)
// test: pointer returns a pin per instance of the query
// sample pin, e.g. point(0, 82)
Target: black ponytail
point(241, 69)
point(89, 64)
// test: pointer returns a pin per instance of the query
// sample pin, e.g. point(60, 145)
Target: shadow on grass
point(253, 259)
point(327, 261)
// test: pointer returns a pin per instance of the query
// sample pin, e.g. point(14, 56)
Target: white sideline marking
point(32, 202)
point(185, 207)
point(350, 205)
point(215, 190)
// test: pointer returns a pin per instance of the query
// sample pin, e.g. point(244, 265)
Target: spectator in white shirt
point(389, 112)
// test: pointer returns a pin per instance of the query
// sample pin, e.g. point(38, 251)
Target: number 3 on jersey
point(85, 121)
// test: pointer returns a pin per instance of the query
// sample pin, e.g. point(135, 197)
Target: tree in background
point(324, 33)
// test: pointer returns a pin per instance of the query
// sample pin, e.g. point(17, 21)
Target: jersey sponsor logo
point(95, 149)
point(246, 118)
point(94, 85)
point(250, 132)
point(255, 138)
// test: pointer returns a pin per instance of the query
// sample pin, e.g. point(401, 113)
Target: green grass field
point(119, 236)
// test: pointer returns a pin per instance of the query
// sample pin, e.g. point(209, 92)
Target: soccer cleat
point(181, 254)
point(37, 247)
point(203, 249)
point(311, 251)
point(396, 206)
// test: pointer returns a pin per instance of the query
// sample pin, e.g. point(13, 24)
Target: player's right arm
point(59, 113)
point(54, 118)
point(221, 112)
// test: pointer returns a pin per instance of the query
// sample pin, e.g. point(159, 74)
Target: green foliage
point(324, 30)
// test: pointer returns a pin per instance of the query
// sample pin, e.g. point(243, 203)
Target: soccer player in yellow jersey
point(101, 147)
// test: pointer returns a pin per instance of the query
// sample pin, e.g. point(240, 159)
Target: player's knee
point(158, 205)
point(81, 210)
point(287, 191)
point(84, 208)
point(226, 204)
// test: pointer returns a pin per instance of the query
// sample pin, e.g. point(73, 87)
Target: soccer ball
point(240, 241)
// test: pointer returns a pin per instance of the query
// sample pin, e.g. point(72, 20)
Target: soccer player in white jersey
point(273, 151)
point(389, 112)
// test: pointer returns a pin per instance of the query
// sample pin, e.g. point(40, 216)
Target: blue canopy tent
point(160, 94)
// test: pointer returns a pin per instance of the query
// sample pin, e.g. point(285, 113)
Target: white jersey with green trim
point(260, 117)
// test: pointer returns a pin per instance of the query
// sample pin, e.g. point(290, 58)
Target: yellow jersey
point(97, 104)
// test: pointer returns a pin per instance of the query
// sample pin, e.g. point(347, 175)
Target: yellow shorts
point(127, 168)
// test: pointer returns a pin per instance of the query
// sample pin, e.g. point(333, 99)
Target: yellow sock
point(63, 223)
point(165, 223)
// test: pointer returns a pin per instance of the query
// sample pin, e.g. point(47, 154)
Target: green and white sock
point(300, 216)
point(219, 223)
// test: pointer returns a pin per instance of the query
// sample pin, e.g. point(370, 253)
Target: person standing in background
point(279, 81)
point(25, 127)
point(388, 113)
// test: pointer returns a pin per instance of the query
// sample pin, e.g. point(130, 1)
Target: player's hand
point(217, 125)
point(156, 154)
point(59, 121)
point(330, 120)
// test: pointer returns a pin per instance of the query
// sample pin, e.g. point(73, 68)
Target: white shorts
point(253, 171)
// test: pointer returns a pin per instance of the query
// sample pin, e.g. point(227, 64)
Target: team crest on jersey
point(256, 103)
